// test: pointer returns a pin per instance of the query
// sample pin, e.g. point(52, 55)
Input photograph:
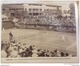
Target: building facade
point(41, 9)
point(11, 9)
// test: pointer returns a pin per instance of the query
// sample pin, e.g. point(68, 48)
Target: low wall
point(7, 24)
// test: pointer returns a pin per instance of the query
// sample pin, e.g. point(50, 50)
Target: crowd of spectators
point(18, 49)
point(47, 21)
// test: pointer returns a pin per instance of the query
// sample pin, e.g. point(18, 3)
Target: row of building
point(34, 10)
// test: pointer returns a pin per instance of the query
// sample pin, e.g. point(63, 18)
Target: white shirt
point(11, 49)
point(21, 50)
point(14, 54)
point(58, 54)
point(34, 53)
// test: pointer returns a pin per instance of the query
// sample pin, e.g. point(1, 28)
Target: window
point(12, 9)
point(35, 14)
point(2, 18)
point(36, 4)
point(12, 14)
point(30, 9)
point(3, 9)
point(40, 9)
point(40, 13)
point(25, 9)
point(19, 9)
point(30, 13)
point(35, 9)
point(47, 9)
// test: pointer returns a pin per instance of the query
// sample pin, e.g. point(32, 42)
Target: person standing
point(11, 38)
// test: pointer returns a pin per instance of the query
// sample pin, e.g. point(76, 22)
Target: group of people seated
point(64, 22)
point(18, 49)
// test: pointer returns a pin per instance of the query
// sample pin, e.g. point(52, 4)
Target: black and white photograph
point(39, 30)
